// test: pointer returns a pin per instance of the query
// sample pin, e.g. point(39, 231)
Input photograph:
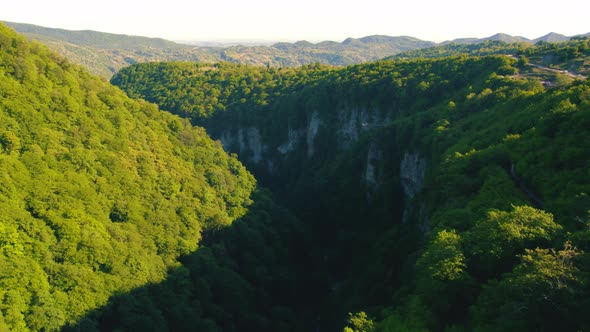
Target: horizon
point(264, 21)
point(223, 42)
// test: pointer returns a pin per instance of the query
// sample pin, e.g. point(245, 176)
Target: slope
point(94, 38)
point(447, 193)
point(99, 194)
point(104, 54)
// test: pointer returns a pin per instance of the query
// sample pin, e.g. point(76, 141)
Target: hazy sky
point(313, 20)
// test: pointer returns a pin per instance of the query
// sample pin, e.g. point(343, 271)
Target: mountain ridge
point(92, 37)
point(106, 53)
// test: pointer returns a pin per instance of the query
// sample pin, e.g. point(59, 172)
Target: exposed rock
point(254, 141)
point(348, 129)
point(412, 168)
point(312, 131)
point(294, 137)
point(247, 141)
point(227, 140)
point(356, 121)
point(241, 141)
point(270, 166)
point(371, 176)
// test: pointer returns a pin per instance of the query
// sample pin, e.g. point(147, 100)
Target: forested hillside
point(441, 194)
point(104, 53)
point(102, 195)
point(570, 55)
point(444, 194)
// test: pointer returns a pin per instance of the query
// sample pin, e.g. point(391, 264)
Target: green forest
point(446, 189)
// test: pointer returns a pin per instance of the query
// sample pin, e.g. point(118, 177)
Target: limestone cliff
point(412, 168)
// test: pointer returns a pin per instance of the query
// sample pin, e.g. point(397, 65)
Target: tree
point(541, 293)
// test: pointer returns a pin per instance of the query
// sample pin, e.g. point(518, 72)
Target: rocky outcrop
point(312, 131)
point(255, 144)
point(247, 142)
point(353, 122)
point(371, 176)
point(411, 173)
point(349, 126)
point(293, 139)
point(412, 168)
point(227, 140)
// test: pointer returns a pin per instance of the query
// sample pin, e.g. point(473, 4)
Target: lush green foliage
point(253, 276)
point(572, 55)
point(200, 90)
point(104, 195)
point(488, 47)
point(99, 194)
point(506, 186)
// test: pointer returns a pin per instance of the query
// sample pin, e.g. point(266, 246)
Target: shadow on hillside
point(256, 275)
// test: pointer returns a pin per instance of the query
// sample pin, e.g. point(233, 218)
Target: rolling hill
point(104, 54)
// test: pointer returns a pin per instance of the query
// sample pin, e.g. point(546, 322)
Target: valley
point(441, 189)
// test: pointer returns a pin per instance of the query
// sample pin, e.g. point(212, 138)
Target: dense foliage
point(431, 194)
point(496, 239)
point(571, 55)
point(256, 275)
point(99, 194)
point(488, 47)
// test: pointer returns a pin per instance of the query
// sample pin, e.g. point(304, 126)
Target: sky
point(312, 20)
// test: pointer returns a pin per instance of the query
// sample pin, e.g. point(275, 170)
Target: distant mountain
point(507, 38)
point(93, 38)
point(497, 37)
point(552, 37)
point(105, 53)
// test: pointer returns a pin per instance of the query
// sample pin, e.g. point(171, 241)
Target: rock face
point(349, 126)
point(293, 139)
point(227, 140)
point(303, 138)
point(255, 145)
point(352, 123)
point(412, 168)
point(312, 130)
point(248, 142)
point(372, 177)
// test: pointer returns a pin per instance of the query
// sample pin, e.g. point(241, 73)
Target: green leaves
point(541, 292)
point(444, 259)
point(501, 234)
point(98, 193)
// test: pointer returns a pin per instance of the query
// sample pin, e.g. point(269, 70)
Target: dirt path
point(573, 75)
